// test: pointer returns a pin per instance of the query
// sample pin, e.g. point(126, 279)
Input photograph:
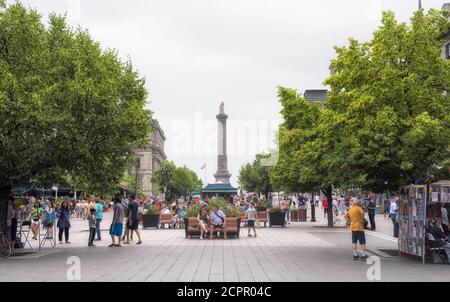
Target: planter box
point(234, 224)
point(150, 221)
point(294, 215)
point(277, 219)
point(302, 215)
point(186, 226)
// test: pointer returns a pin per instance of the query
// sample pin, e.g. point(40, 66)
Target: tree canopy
point(67, 107)
point(179, 181)
point(388, 93)
point(254, 177)
point(386, 122)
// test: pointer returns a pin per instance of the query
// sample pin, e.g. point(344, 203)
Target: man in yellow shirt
point(355, 216)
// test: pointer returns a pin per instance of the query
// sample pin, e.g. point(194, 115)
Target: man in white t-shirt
point(393, 211)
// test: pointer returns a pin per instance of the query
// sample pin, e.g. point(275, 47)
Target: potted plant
point(150, 217)
point(261, 206)
point(216, 202)
point(277, 217)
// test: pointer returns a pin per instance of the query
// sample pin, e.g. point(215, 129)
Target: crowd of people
point(47, 214)
point(126, 216)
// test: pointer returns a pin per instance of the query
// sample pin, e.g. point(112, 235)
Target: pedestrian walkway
point(300, 252)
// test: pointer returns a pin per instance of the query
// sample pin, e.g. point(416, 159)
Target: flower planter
point(150, 221)
point(186, 226)
point(234, 226)
point(277, 219)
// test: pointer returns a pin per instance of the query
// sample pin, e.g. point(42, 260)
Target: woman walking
point(36, 215)
point(64, 222)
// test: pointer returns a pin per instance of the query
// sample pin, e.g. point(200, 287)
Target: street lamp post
point(135, 184)
point(313, 208)
point(166, 180)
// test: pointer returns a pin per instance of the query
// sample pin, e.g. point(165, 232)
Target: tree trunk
point(329, 194)
point(4, 199)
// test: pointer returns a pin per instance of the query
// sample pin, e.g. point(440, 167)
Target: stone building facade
point(446, 47)
point(148, 160)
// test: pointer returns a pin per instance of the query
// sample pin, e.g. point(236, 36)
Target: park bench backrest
point(166, 217)
point(262, 215)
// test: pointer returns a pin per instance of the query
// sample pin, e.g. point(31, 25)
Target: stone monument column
point(222, 174)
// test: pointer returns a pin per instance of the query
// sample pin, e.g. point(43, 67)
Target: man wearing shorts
point(132, 221)
point(356, 218)
point(117, 223)
point(217, 218)
point(251, 214)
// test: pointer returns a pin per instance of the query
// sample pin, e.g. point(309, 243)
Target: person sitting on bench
point(436, 237)
point(203, 221)
point(217, 221)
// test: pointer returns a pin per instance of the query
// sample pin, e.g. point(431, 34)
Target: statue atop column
point(222, 108)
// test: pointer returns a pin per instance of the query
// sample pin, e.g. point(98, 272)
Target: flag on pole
point(204, 166)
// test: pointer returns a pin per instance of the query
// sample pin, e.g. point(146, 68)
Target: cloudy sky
point(196, 53)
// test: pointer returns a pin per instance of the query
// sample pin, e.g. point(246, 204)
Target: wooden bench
point(165, 219)
point(262, 217)
point(233, 227)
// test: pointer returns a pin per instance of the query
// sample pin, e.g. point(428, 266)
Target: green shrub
point(216, 202)
point(262, 204)
point(276, 210)
point(193, 211)
point(232, 211)
point(152, 210)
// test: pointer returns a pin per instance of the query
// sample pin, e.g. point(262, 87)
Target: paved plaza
point(300, 252)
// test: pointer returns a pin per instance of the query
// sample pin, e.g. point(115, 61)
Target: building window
point(447, 51)
point(138, 163)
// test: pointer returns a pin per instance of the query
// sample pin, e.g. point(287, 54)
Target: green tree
point(389, 94)
point(255, 177)
point(178, 181)
point(309, 154)
point(68, 109)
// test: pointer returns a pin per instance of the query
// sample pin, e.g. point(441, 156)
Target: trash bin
point(302, 214)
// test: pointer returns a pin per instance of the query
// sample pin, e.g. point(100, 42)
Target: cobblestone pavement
point(300, 252)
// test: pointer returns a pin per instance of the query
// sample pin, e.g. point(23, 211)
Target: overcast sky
point(196, 53)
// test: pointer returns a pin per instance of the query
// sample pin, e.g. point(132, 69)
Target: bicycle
point(5, 246)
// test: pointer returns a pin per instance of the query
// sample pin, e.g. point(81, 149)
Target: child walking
point(92, 219)
point(251, 214)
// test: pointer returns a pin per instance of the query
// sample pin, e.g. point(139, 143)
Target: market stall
point(416, 207)
point(411, 220)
